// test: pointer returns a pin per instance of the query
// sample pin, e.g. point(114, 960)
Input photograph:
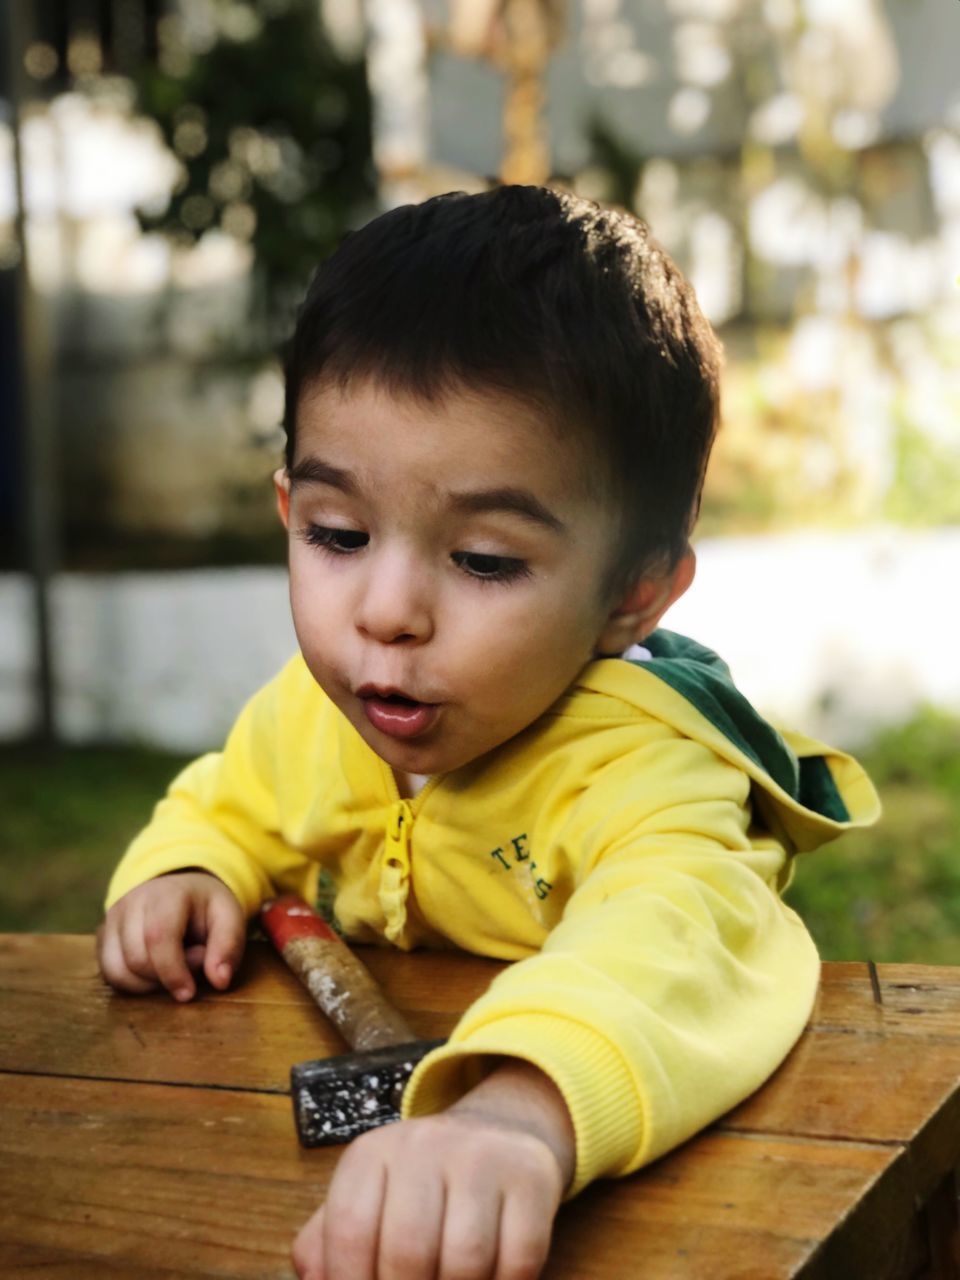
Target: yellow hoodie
point(628, 849)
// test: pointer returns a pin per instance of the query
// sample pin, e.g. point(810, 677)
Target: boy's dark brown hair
point(570, 308)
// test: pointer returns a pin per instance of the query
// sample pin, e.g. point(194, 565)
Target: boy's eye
point(490, 568)
point(339, 541)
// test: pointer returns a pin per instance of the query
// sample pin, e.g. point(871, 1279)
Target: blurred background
point(170, 174)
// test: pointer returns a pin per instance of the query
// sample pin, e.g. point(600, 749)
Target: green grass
point(892, 893)
point(66, 816)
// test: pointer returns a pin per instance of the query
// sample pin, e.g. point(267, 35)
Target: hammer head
point(337, 1099)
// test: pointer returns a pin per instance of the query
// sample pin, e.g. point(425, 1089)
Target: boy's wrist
point(517, 1094)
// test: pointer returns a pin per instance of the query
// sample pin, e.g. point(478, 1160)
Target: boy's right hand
point(158, 933)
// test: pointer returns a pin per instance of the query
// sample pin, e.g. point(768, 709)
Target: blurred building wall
point(890, 64)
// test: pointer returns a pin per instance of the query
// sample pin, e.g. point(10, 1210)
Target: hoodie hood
point(806, 792)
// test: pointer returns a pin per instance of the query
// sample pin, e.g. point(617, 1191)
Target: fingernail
point(182, 993)
point(223, 972)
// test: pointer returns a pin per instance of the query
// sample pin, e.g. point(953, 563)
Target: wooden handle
point(341, 984)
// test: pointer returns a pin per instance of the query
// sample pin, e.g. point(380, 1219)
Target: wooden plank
point(866, 1087)
point(916, 1000)
point(57, 1015)
point(212, 1183)
point(729, 1208)
point(104, 1036)
point(862, 1087)
point(28, 1262)
point(67, 962)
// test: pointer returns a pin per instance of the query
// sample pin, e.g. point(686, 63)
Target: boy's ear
point(281, 483)
point(644, 605)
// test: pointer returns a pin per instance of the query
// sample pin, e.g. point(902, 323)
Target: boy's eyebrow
point(515, 501)
point(518, 502)
point(312, 470)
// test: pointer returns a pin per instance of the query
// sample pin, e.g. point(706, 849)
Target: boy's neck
point(410, 784)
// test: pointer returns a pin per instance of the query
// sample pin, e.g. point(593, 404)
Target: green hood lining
point(703, 679)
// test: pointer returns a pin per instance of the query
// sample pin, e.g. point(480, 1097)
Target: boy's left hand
point(468, 1194)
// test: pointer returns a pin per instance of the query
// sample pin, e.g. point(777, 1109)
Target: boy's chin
point(412, 757)
point(424, 757)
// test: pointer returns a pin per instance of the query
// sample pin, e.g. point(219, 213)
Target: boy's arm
point(212, 852)
point(221, 814)
point(676, 981)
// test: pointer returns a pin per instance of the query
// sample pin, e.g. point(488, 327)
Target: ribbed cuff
point(596, 1084)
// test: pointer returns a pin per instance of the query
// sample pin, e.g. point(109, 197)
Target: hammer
point(336, 1099)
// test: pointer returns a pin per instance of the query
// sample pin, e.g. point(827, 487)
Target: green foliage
point(273, 133)
point(790, 457)
point(926, 484)
point(893, 893)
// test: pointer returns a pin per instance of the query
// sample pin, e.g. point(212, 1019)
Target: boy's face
point(446, 566)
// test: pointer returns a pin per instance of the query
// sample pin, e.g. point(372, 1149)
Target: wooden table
point(143, 1139)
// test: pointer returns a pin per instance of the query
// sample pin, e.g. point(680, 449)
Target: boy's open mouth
point(395, 714)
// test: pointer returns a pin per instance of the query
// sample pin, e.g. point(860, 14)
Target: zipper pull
point(395, 875)
point(398, 837)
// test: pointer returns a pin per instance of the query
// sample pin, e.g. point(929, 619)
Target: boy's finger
point(163, 933)
point(525, 1228)
point(351, 1218)
point(411, 1222)
point(471, 1232)
point(226, 935)
point(307, 1251)
point(129, 930)
point(113, 966)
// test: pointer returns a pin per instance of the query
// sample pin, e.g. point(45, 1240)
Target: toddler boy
point(499, 409)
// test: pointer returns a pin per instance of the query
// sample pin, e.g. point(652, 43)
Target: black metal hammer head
point(337, 1099)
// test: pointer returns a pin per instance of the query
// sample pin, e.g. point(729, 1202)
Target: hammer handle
point(341, 984)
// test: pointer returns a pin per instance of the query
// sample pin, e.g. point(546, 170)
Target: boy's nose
point(395, 606)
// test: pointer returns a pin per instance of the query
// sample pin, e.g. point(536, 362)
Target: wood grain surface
point(139, 1138)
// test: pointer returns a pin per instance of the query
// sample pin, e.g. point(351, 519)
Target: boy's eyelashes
point(491, 568)
point(480, 565)
point(340, 541)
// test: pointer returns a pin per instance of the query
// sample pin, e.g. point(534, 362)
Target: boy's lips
point(395, 713)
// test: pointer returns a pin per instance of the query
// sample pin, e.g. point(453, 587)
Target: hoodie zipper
point(394, 883)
